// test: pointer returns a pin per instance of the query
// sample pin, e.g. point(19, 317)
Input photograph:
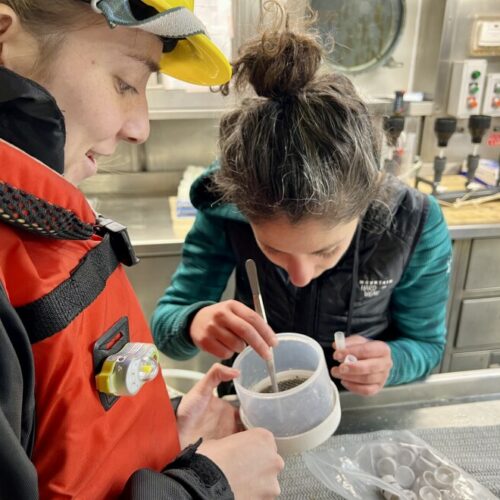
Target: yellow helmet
point(188, 53)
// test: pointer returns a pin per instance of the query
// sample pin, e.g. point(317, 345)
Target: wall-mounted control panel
point(491, 101)
point(467, 87)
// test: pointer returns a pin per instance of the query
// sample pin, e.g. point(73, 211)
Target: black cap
point(394, 125)
point(444, 129)
point(478, 125)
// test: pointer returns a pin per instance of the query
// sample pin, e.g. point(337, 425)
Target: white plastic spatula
point(259, 309)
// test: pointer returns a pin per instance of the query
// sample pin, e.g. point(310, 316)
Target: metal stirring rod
point(259, 309)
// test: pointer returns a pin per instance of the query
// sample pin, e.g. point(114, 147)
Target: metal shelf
point(185, 114)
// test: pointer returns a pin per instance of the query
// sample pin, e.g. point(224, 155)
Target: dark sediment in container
point(285, 385)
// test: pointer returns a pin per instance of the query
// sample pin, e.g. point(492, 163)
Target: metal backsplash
point(458, 19)
point(175, 144)
point(436, 33)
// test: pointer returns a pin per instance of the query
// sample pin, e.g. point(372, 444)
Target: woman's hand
point(227, 327)
point(248, 459)
point(369, 374)
point(201, 414)
point(250, 462)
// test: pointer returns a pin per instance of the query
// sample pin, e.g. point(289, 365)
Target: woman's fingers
point(218, 373)
point(371, 349)
point(372, 378)
point(227, 327)
point(216, 348)
point(250, 328)
point(251, 317)
point(228, 339)
point(362, 390)
point(366, 366)
point(369, 373)
point(353, 340)
point(364, 350)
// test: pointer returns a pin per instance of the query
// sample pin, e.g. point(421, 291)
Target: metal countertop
point(147, 219)
point(457, 399)
point(457, 413)
point(150, 225)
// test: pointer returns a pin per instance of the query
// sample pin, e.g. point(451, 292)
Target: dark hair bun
point(278, 63)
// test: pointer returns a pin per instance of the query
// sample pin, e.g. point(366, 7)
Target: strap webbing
point(56, 310)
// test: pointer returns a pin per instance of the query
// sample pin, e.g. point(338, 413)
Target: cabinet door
point(469, 361)
point(484, 266)
point(476, 360)
point(479, 323)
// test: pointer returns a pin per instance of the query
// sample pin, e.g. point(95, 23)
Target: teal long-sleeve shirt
point(418, 302)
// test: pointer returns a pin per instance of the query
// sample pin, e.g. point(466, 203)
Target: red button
point(471, 102)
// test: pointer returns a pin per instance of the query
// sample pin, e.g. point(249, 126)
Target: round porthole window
point(365, 32)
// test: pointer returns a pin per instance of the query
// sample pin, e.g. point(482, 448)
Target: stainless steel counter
point(150, 225)
point(147, 218)
point(459, 399)
point(469, 231)
point(458, 414)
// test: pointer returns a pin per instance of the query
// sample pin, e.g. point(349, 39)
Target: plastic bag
point(401, 466)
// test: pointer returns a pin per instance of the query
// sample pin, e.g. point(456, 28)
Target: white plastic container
point(301, 417)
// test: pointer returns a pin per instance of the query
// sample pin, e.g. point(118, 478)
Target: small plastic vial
point(350, 359)
point(339, 340)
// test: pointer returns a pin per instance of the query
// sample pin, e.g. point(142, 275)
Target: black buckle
point(119, 239)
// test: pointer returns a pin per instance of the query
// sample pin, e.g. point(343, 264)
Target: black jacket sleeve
point(18, 477)
point(190, 476)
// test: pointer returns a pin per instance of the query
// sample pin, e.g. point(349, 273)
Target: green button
point(497, 88)
point(475, 74)
point(473, 88)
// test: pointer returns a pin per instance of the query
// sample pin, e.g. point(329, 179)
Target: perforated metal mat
point(475, 449)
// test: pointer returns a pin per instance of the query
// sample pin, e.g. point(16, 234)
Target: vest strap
point(55, 311)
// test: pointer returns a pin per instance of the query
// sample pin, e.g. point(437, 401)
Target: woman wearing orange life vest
point(73, 75)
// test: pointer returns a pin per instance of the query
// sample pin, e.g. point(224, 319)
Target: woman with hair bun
point(339, 244)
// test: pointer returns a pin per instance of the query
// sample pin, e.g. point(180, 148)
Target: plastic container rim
point(274, 395)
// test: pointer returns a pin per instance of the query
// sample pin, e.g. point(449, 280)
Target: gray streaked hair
point(306, 145)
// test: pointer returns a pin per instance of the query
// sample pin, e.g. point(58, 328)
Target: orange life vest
point(82, 450)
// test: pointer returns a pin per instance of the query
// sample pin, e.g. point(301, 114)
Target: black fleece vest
point(386, 244)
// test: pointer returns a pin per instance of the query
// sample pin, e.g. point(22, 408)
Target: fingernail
point(338, 355)
point(334, 372)
point(343, 368)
